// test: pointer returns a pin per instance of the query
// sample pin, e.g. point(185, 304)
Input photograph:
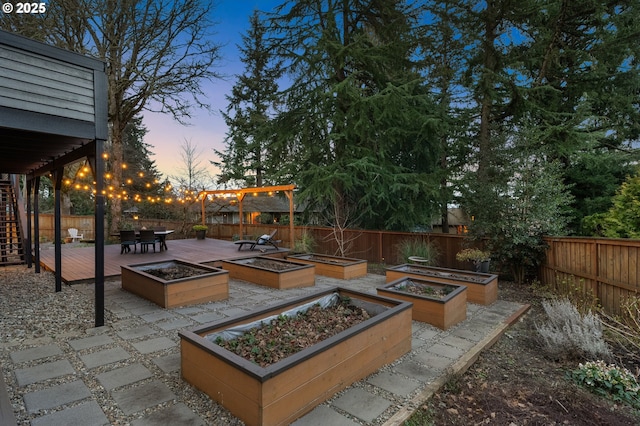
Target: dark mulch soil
point(412, 287)
point(174, 272)
point(461, 277)
point(513, 383)
point(329, 260)
point(285, 336)
point(273, 265)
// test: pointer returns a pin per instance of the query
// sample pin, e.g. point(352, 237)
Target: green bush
point(609, 381)
point(265, 218)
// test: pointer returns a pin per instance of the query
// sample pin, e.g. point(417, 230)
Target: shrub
point(420, 248)
point(304, 244)
point(200, 227)
point(265, 218)
point(609, 381)
point(624, 328)
point(472, 255)
point(570, 334)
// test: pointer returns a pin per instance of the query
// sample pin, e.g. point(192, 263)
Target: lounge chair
point(264, 240)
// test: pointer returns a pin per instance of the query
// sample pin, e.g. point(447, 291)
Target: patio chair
point(264, 240)
point(73, 233)
point(147, 238)
point(127, 239)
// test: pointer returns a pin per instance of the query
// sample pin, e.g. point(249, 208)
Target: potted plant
point(479, 258)
point(200, 231)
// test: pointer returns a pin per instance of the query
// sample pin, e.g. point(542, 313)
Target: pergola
point(241, 193)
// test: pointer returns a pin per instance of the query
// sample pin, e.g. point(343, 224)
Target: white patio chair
point(73, 233)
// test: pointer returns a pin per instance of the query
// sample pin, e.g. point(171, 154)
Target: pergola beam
point(241, 193)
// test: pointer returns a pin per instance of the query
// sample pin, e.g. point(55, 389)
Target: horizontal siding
point(45, 85)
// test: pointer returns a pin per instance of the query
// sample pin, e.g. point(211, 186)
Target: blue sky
point(206, 130)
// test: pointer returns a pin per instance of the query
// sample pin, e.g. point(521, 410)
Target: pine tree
point(252, 103)
point(357, 127)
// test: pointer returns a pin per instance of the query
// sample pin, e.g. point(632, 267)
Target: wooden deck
point(78, 263)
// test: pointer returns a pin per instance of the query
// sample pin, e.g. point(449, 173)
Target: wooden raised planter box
point(482, 288)
point(441, 311)
point(284, 391)
point(206, 285)
point(343, 268)
point(283, 275)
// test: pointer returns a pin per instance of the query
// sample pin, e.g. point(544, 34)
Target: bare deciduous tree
point(158, 53)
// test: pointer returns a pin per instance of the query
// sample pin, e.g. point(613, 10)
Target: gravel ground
point(33, 314)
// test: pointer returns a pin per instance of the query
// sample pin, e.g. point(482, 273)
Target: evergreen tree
point(445, 53)
point(623, 218)
point(357, 130)
point(579, 62)
point(252, 102)
point(141, 187)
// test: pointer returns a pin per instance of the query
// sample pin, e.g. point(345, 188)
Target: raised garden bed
point(481, 288)
point(438, 304)
point(271, 272)
point(176, 282)
point(343, 268)
point(283, 391)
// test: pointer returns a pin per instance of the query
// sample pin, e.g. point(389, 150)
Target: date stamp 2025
point(28, 8)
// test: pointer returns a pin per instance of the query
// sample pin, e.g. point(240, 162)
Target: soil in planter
point(328, 260)
point(273, 265)
point(470, 278)
point(420, 289)
point(285, 336)
point(174, 272)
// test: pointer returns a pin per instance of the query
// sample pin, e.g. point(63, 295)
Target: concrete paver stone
point(123, 376)
point(56, 395)
point(394, 383)
point(36, 353)
point(87, 414)
point(108, 356)
point(40, 372)
point(91, 342)
point(168, 363)
point(132, 400)
point(362, 404)
point(178, 414)
point(136, 332)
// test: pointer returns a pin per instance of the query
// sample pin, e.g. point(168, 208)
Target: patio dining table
point(162, 237)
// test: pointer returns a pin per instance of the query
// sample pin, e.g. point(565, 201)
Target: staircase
point(11, 243)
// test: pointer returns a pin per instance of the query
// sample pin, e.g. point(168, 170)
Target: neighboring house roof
point(275, 204)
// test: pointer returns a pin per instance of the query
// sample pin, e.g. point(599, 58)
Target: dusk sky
point(206, 130)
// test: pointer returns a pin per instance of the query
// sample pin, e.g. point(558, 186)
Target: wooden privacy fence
point(373, 246)
point(608, 268)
